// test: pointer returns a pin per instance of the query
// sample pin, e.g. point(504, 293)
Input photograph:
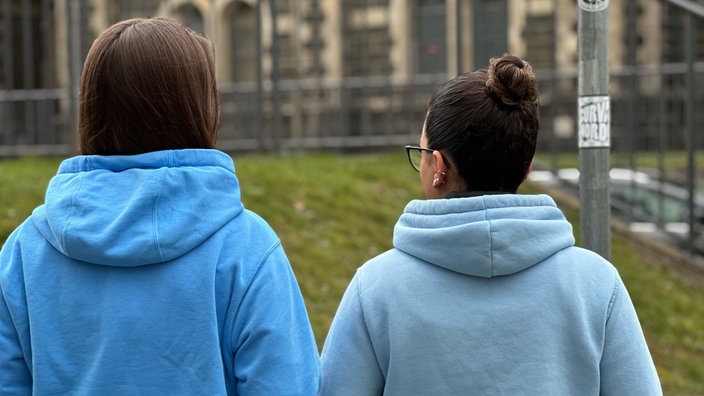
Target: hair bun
point(512, 80)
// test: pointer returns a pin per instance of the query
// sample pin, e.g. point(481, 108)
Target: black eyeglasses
point(415, 154)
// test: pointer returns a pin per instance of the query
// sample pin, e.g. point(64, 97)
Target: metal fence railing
point(655, 122)
point(304, 77)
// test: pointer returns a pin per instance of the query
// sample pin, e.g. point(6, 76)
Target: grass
point(334, 212)
point(22, 186)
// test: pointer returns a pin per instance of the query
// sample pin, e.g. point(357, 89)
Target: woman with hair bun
point(143, 273)
point(484, 292)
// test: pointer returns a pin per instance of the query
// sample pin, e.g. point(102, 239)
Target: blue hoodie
point(145, 275)
point(486, 296)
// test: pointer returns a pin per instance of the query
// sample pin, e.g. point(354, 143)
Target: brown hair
point(486, 122)
point(148, 85)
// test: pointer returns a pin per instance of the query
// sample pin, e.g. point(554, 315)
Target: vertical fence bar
point(9, 73)
point(689, 126)
point(234, 39)
point(632, 79)
point(594, 126)
point(74, 61)
point(343, 112)
point(662, 129)
point(360, 98)
point(46, 132)
point(7, 41)
point(28, 71)
point(458, 35)
point(275, 77)
point(554, 92)
point(259, 106)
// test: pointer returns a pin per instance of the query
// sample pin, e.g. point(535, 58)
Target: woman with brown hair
point(484, 292)
point(143, 273)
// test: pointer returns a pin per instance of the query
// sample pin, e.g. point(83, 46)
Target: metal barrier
point(654, 114)
point(273, 98)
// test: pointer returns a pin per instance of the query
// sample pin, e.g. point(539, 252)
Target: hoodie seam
point(612, 301)
point(485, 210)
point(360, 300)
point(231, 323)
point(155, 218)
point(70, 215)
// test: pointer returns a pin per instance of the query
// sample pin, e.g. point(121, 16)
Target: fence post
point(594, 127)
point(74, 61)
point(259, 100)
point(275, 77)
point(689, 127)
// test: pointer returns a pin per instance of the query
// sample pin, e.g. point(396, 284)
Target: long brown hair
point(148, 85)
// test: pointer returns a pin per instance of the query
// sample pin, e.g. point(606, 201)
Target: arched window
point(240, 24)
point(190, 16)
point(428, 24)
point(367, 41)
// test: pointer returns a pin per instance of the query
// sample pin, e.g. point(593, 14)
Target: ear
point(439, 162)
point(440, 176)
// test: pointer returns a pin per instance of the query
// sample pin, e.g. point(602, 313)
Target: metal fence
point(280, 90)
point(269, 101)
point(655, 124)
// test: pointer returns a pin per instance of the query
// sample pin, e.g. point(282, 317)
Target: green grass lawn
point(334, 212)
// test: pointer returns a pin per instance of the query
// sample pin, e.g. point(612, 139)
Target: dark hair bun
point(512, 80)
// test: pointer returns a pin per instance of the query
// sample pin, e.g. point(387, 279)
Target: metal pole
point(594, 116)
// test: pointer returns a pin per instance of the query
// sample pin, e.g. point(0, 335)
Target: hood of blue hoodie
point(485, 236)
point(140, 209)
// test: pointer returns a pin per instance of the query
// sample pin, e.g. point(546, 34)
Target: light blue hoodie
point(144, 275)
point(486, 296)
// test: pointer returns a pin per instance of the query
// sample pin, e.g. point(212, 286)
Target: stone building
point(360, 67)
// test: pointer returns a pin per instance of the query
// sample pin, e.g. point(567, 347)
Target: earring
point(439, 179)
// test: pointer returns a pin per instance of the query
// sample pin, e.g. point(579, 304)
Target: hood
point(486, 236)
point(139, 209)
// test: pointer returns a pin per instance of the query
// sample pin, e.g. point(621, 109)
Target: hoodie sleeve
point(275, 351)
point(15, 378)
point(626, 365)
point(349, 362)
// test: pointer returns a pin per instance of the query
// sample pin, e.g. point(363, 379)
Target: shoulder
point(586, 262)
point(584, 273)
point(25, 234)
point(386, 263)
point(391, 275)
point(250, 228)
point(245, 245)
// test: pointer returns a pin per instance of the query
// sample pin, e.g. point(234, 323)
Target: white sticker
point(593, 5)
point(594, 121)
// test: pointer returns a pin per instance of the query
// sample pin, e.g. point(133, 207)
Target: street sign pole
point(594, 117)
